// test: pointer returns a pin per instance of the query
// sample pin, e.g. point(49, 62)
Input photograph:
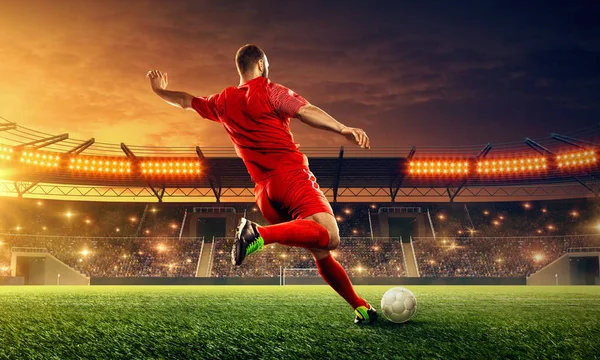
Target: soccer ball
point(398, 304)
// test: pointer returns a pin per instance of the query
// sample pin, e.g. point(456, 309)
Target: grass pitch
point(295, 322)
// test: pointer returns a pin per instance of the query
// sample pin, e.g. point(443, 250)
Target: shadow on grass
point(411, 325)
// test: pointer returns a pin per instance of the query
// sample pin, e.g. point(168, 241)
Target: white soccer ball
point(398, 304)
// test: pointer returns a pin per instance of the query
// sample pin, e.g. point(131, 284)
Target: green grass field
point(295, 322)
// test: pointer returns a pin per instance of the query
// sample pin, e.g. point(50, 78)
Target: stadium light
point(132, 219)
point(441, 216)
point(255, 209)
point(69, 214)
point(376, 248)
point(527, 206)
point(117, 229)
point(40, 159)
point(439, 167)
point(538, 257)
point(88, 221)
point(84, 252)
point(283, 255)
point(551, 227)
point(18, 228)
point(539, 231)
point(486, 213)
point(432, 262)
point(354, 231)
point(173, 226)
point(347, 211)
point(100, 165)
point(153, 210)
point(180, 167)
point(512, 166)
point(188, 261)
point(574, 213)
point(576, 159)
point(598, 227)
point(501, 217)
point(498, 260)
point(147, 231)
point(39, 203)
point(5, 153)
point(161, 248)
point(373, 206)
point(544, 211)
point(496, 222)
point(339, 218)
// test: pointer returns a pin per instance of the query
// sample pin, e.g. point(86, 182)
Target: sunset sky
point(410, 73)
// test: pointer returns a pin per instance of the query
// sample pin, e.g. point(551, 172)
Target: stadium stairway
point(410, 261)
point(205, 259)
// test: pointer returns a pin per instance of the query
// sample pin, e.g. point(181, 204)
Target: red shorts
point(290, 195)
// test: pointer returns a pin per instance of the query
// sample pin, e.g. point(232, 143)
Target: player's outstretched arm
point(317, 118)
point(159, 81)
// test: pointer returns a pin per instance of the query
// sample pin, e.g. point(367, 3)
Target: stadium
point(515, 216)
point(240, 180)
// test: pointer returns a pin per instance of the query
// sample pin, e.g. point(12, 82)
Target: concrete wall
point(44, 269)
point(558, 270)
point(305, 281)
point(12, 280)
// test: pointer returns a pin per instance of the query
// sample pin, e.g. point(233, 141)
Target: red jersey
point(256, 115)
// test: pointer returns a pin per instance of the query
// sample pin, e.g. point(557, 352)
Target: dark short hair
point(247, 56)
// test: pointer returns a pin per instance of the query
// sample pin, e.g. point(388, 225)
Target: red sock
point(301, 233)
point(333, 273)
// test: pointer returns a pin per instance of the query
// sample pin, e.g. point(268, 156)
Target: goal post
point(296, 272)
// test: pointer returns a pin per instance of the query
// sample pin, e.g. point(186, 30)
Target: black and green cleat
point(365, 315)
point(247, 241)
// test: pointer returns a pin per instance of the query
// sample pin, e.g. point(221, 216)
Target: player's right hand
point(158, 80)
point(359, 136)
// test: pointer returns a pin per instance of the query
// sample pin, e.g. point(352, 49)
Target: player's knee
point(334, 240)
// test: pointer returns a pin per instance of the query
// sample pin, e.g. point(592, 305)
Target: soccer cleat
point(247, 241)
point(365, 315)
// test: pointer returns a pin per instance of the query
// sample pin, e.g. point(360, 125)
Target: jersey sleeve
point(207, 106)
point(285, 101)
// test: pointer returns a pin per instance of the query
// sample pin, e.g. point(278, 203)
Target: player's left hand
point(158, 80)
point(359, 136)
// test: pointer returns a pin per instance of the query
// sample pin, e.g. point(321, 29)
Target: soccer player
point(256, 115)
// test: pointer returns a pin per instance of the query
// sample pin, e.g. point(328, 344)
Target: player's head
point(250, 60)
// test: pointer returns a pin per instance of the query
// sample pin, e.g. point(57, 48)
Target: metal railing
point(583, 249)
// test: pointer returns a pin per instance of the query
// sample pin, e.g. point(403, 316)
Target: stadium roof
point(36, 164)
